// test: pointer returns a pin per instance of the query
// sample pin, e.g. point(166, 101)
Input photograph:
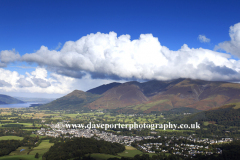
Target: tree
point(36, 155)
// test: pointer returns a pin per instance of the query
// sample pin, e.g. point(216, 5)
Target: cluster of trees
point(13, 125)
point(231, 150)
point(230, 117)
point(30, 141)
point(226, 119)
point(226, 115)
point(12, 131)
point(79, 147)
point(213, 130)
point(7, 146)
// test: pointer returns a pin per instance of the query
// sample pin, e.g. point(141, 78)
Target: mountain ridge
point(103, 88)
point(74, 100)
point(5, 99)
point(152, 96)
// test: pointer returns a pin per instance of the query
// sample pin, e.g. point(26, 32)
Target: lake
point(19, 105)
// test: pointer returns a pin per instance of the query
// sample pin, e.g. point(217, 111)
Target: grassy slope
point(197, 94)
point(4, 99)
point(118, 97)
point(42, 148)
point(103, 88)
point(17, 152)
point(11, 138)
point(16, 155)
point(129, 152)
point(74, 100)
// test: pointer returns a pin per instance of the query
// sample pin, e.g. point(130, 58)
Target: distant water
point(19, 105)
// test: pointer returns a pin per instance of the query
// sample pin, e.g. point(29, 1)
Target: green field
point(144, 107)
point(24, 124)
point(16, 155)
point(205, 123)
point(42, 148)
point(70, 115)
point(129, 152)
point(11, 138)
point(17, 152)
point(6, 120)
point(237, 106)
point(30, 129)
point(92, 116)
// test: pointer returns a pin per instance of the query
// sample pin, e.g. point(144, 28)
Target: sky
point(50, 48)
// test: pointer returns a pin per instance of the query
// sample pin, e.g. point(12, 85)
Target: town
point(169, 144)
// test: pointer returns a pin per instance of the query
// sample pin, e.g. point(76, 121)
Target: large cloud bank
point(42, 81)
point(100, 58)
point(108, 56)
point(36, 81)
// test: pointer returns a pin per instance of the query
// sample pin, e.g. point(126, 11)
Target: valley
point(214, 106)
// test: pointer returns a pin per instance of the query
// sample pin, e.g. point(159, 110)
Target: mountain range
point(151, 96)
point(4, 99)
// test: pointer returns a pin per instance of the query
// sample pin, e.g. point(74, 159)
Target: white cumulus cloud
point(41, 82)
point(4, 84)
point(24, 83)
point(8, 56)
point(34, 82)
point(232, 46)
point(107, 56)
point(203, 39)
point(38, 81)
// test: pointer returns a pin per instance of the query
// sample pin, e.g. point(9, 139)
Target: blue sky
point(27, 25)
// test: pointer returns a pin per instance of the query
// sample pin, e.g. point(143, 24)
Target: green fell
point(4, 99)
point(74, 100)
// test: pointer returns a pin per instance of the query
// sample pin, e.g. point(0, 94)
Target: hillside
point(120, 96)
point(154, 87)
point(197, 94)
point(103, 88)
point(4, 99)
point(126, 96)
point(228, 114)
point(152, 96)
point(74, 100)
